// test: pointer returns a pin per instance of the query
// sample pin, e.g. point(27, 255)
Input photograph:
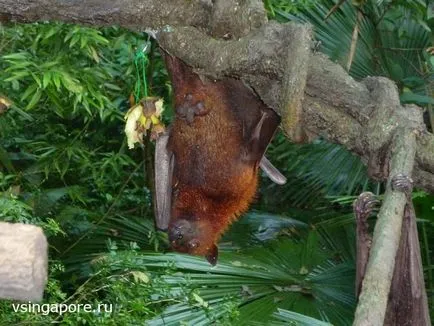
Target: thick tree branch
point(133, 14)
point(373, 299)
point(335, 106)
point(140, 14)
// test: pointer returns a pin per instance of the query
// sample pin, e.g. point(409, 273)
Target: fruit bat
point(207, 164)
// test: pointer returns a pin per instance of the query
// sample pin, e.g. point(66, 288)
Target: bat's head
point(195, 237)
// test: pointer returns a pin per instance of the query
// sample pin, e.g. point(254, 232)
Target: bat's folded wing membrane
point(164, 161)
point(262, 135)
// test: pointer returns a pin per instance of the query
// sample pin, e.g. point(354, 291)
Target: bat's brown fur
point(214, 178)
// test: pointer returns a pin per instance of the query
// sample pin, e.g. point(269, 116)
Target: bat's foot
point(189, 109)
point(403, 183)
point(363, 205)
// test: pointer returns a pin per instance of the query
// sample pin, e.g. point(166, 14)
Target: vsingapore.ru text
point(61, 308)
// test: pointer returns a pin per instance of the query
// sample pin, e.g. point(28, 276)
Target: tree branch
point(373, 299)
point(132, 14)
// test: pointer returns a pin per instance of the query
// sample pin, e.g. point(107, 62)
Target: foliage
point(63, 158)
point(64, 165)
point(285, 273)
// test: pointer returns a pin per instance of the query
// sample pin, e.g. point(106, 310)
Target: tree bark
point(23, 262)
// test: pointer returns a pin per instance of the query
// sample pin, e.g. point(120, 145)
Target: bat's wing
point(164, 161)
point(407, 299)
point(272, 172)
point(261, 135)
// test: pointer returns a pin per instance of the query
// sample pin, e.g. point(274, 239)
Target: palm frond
point(315, 171)
point(285, 317)
point(296, 275)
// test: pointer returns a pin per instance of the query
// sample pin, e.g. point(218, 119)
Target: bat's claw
point(364, 204)
point(189, 109)
point(403, 183)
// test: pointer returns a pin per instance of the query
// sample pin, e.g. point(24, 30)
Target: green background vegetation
point(65, 166)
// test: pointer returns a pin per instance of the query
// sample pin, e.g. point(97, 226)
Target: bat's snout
point(182, 236)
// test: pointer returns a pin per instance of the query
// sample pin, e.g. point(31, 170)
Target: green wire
point(141, 62)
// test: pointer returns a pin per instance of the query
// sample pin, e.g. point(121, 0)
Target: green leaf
point(46, 79)
point(112, 87)
point(285, 317)
point(17, 76)
point(16, 56)
point(71, 83)
point(56, 80)
point(409, 97)
point(37, 79)
point(29, 91)
point(52, 31)
point(75, 38)
point(34, 100)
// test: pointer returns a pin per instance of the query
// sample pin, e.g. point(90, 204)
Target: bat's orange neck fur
point(214, 214)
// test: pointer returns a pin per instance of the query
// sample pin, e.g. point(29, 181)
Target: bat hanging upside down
point(207, 164)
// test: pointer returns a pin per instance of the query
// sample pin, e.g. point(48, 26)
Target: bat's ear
point(261, 136)
point(212, 255)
